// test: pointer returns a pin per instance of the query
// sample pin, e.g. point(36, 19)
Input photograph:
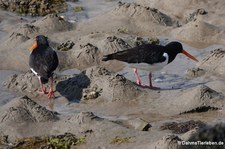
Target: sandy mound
point(130, 18)
point(28, 30)
point(24, 83)
point(109, 86)
point(207, 12)
point(16, 39)
point(111, 44)
point(191, 100)
point(106, 42)
point(197, 31)
point(46, 25)
point(89, 50)
point(214, 63)
point(183, 7)
point(143, 14)
point(84, 118)
point(26, 110)
point(87, 55)
point(200, 99)
point(167, 142)
point(52, 23)
point(194, 15)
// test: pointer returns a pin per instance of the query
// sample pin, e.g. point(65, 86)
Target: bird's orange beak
point(189, 55)
point(33, 46)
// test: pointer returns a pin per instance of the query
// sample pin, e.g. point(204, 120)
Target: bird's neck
point(171, 55)
point(43, 46)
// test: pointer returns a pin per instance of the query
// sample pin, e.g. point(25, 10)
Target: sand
point(100, 101)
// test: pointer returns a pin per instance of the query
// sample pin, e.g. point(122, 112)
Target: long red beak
point(33, 46)
point(189, 55)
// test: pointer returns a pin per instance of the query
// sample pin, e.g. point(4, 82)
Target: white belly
point(150, 67)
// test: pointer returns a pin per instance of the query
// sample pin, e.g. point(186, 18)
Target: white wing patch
point(34, 71)
point(167, 57)
point(151, 67)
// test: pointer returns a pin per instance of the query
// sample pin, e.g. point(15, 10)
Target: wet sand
point(100, 101)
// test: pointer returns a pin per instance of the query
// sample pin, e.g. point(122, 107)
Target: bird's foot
point(139, 83)
point(51, 94)
point(43, 91)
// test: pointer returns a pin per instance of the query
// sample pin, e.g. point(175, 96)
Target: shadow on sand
point(72, 88)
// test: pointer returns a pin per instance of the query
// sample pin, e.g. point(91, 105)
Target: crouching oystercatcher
point(43, 61)
point(149, 57)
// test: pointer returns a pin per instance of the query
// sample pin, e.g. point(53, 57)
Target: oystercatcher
point(43, 61)
point(149, 57)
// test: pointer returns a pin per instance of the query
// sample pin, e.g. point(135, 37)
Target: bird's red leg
point(150, 82)
point(150, 79)
point(43, 88)
point(138, 80)
point(51, 93)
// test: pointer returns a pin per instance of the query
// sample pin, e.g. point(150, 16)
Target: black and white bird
point(43, 61)
point(149, 57)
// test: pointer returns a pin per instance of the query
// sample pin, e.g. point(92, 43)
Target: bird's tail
point(107, 57)
point(44, 80)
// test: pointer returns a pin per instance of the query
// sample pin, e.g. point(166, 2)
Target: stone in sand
point(65, 46)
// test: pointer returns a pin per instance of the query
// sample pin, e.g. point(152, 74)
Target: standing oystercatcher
point(149, 57)
point(43, 61)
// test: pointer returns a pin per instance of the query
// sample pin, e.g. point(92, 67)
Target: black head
point(42, 40)
point(174, 48)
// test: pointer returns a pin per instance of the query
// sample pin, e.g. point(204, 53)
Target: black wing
point(44, 61)
point(147, 53)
